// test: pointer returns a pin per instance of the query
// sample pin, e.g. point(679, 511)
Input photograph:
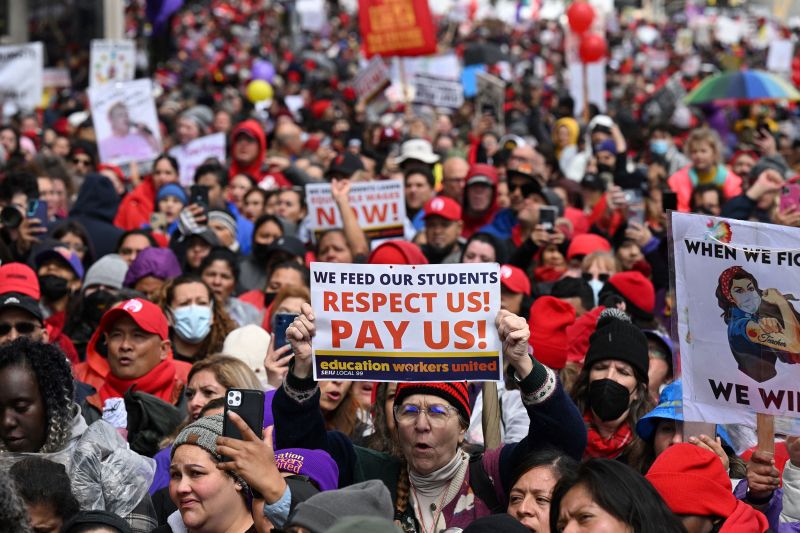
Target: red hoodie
point(475, 221)
point(256, 169)
point(137, 206)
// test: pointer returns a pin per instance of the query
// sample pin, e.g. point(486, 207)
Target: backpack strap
point(482, 485)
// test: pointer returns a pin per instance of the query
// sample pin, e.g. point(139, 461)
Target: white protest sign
point(21, 75)
point(437, 91)
point(596, 79)
point(111, 61)
point(372, 79)
point(738, 324)
point(192, 154)
point(56, 77)
point(125, 121)
point(779, 57)
point(434, 65)
point(491, 97)
point(313, 14)
point(379, 205)
point(406, 323)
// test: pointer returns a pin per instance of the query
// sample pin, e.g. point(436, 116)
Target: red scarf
point(606, 448)
point(160, 381)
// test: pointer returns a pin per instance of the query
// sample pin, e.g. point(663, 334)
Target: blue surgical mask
point(192, 322)
point(659, 146)
point(749, 302)
point(596, 286)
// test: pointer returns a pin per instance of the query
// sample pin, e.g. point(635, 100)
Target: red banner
point(396, 27)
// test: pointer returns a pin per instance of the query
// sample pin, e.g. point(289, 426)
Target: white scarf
point(428, 490)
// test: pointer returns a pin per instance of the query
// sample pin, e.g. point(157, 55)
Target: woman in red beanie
point(695, 485)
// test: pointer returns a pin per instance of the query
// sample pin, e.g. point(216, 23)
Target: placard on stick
point(738, 326)
point(379, 206)
point(406, 323)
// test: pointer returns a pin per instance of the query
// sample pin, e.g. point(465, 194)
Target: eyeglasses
point(437, 414)
point(81, 161)
point(23, 328)
point(74, 246)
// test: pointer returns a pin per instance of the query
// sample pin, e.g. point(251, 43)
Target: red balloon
point(593, 48)
point(580, 16)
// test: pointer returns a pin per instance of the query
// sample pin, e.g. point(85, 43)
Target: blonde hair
point(704, 135)
point(229, 372)
point(607, 257)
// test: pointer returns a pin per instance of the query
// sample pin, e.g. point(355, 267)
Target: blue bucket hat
point(670, 407)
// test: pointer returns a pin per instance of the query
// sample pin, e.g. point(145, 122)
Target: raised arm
point(359, 246)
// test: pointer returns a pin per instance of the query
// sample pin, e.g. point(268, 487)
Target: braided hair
point(50, 367)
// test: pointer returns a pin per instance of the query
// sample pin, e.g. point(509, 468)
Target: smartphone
point(790, 197)
point(281, 322)
point(547, 217)
point(198, 194)
point(37, 209)
point(635, 200)
point(248, 404)
point(669, 201)
point(158, 221)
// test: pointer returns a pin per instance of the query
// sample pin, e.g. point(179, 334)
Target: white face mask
point(749, 301)
point(596, 286)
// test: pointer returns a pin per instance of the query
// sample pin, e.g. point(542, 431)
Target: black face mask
point(608, 399)
point(269, 297)
point(260, 252)
point(53, 287)
point(96, 304)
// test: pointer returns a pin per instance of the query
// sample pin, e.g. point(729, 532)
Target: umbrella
point(742, 87)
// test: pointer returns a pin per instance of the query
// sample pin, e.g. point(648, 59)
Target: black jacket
point(95, 208)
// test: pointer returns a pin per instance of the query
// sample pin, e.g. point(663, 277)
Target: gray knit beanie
point(201, 115)
point(202, 432)
point(109, 270)
point(323, 510)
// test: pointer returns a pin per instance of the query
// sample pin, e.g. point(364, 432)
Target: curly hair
point(382, 439)
point(222, 325)
point(53, 375)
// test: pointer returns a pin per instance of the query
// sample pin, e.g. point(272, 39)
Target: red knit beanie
point(692, 481)
point(587, 243)
point(455, 394)
point(549, 319)
point(397, 253)
point(636, 289)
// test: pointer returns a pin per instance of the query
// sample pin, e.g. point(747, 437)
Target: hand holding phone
point(198, 195)
point(37, 209)
point(547, 217)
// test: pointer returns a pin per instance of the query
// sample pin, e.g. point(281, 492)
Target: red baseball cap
point(19, 278)
point(515, 280)
point(444, 207)
point(145, 313)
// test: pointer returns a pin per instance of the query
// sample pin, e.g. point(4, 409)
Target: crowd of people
point(130, 304)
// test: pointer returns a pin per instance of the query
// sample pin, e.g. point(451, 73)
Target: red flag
point(396, 27)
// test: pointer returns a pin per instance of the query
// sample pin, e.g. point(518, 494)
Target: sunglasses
point(23, 328)
point(601, 277)
point(81, 161)
point(527, 189)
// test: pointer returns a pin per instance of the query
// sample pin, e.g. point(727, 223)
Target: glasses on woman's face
point(74, 246)
point(438, 414)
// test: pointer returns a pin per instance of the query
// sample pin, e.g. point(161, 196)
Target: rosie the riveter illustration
point(762, 325)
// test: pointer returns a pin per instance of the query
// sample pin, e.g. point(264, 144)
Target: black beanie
point(97, 519)
point(616, 338)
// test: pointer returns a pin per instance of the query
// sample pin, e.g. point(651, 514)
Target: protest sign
point(111, 61)
point(779, 57)
point(379, 205)
point(406, 323)
point(491, 97)
point(371, 80)
point(396, 27)
point(313, 14)
point(192, 154)
point(125, 121)
point(437, 91)
point(738, 326)
point(596, 84)
point(21, 75)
